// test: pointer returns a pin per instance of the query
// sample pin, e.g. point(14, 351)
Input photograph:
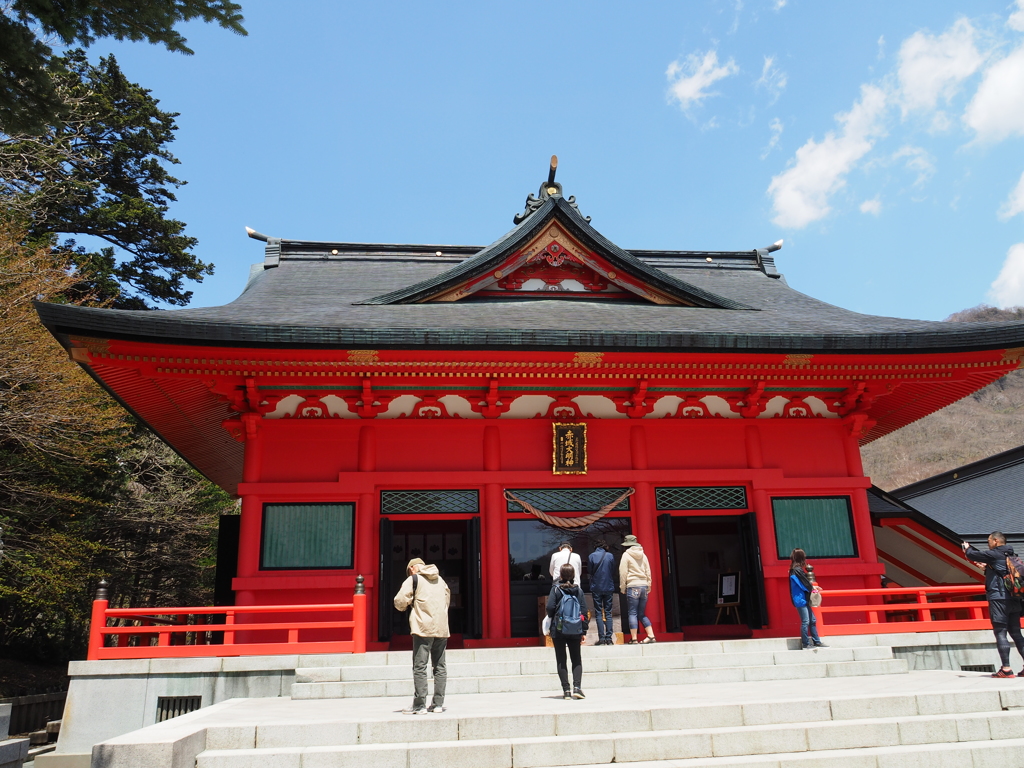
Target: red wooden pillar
point(861, 512)
point(251, 523)
point(367, 544)
point(773, 590)
point(645, 527)
point(497, 621)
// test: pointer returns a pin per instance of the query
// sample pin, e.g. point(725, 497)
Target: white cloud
point(872, 206)
point(1008, 289)
point(918, 160)
point(1014, 203)
point(881, 47)
point(689, 83)
point(934, 66)
point(1016, 20)
point(775, 126)
point(772, 79)
point(997, 110)
point(779, 5)
point(801, 193)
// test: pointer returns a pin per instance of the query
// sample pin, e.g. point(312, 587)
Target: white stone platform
point(113, 702)
point(929, 718)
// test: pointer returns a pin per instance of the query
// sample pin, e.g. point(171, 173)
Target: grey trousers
point(432, 648)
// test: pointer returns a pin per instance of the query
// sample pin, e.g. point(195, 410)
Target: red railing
point(245, 630)
point(913, 609)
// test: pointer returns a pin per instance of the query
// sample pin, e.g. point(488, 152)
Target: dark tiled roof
point(883, 505)
point(554, 209)
point(975, 499)
point(316, 294)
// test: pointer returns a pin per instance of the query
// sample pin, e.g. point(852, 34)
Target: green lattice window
point(307, 536)
point(714, 497)
point(429, 502)
point(569, 499)
point(822, 527)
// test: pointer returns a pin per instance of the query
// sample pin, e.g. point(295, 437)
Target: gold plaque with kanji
point(570, 449)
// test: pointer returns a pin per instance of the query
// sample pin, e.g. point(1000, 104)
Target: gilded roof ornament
point(548, 189)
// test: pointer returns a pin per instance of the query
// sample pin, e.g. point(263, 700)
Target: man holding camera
point(1003, 608)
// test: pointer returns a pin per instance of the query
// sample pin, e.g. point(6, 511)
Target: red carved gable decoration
point(554, 262)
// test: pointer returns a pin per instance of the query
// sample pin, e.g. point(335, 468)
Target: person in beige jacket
point(429, 597)
point(635, 582)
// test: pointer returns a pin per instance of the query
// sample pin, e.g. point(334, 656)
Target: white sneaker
point(437, 709)
point(415, 711)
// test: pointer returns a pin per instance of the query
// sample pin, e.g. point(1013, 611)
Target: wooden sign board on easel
point(728, 595)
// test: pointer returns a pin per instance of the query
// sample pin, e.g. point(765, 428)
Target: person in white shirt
point(564, 556)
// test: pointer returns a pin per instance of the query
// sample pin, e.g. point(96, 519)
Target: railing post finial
point(101, 590)
point(360, 589)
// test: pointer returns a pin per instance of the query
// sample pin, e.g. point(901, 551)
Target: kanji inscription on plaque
point(570, 449)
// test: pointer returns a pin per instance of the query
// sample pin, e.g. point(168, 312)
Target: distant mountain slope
point(985, 423)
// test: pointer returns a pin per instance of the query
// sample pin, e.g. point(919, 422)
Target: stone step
point(570, 720)
point(602, 748)
point(1005, 753)
point(537, 652)
point(595, 660)
point(402, 685)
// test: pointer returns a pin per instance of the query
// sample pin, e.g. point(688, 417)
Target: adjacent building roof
point(977, 498)
point(378, 296)
point(917, 550)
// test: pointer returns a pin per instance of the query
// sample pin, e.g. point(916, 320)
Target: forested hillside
point(985, 423)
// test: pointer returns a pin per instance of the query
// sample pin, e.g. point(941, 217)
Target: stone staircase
point(503, 670)
point(668, 705)
point(895, 730)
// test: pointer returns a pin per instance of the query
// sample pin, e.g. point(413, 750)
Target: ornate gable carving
point(555, 263)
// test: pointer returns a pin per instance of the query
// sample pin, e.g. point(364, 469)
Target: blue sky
point(884, 142)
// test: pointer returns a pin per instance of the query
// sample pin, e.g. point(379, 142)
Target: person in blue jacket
point(602, 587)
point(800, 586)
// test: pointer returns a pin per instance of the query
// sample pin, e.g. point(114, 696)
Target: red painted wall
point(353, 459)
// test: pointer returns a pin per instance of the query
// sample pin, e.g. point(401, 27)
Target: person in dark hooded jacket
point(570, 642)
point(1003, 608)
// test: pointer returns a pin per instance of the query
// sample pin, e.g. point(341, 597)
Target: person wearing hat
point(635, 582)
point(429, 597)
point(564, 556)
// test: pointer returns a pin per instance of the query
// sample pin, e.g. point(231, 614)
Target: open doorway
point(699, 552)
point(451, 545)
point(532, 543)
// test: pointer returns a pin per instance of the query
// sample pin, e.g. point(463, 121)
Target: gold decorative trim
point(95, 346)
point(363, 356)
point(588, 358)
point(797, 360)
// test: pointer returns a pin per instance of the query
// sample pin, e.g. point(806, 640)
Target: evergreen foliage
point(30, 101)
point(84, 492)
point(102, 172)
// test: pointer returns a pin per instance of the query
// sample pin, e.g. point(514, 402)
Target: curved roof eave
point(163, 327)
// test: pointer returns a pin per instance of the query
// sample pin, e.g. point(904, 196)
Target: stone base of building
point(109, 699)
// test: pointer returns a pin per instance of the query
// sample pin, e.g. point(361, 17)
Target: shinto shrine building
point(371, 402)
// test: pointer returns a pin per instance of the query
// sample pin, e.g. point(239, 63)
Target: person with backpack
point(429, 597)
point(602, 587)
point(566, 609)
point(1003, 589)
point(801, 587)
